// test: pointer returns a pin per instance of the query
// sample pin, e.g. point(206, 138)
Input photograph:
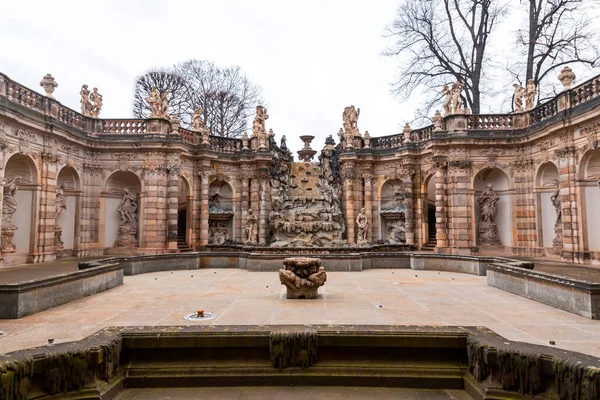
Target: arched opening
point(493, 208)
point(19, 208)
point(184, 215)
point(68, 193)
point(590, 182)
point(392, 212)
point(546, 186)
point(220, 212)
point(121, 212)
point(429, 227)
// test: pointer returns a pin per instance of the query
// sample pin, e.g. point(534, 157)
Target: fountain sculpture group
point(303, 277)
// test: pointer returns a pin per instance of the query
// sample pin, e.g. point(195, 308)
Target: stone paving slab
point(293, 392)
point(371, 297)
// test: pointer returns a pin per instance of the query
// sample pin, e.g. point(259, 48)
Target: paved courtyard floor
point(371, 297)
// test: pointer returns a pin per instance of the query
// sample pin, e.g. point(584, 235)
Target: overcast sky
point(311, 58)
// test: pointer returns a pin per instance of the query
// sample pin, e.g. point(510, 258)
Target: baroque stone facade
point(76, 184)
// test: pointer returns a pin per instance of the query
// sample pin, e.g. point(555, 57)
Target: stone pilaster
point(237, 210)
point(348, 175)
point(264, 205)
point(153, 215)
point(204, 183)
point(44, 250)
point(572, 245)
point(254, 198)
point(524, 213)
point(441, 209)
point(368, 178)
point(173, 172)
point(406, 175)
point(244, 205)
point(460, 210)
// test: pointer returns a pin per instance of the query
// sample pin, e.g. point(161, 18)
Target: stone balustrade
point(504, 124)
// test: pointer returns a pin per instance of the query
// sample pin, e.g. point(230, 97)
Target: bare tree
point(440, 42)
point(560, 32)
point(163, 80)
point(226, 95)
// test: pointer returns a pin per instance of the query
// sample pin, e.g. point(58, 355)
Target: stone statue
point(488, 207)
point(447, 100)
point(9, 208)
point(61, 202)
point(302, 277)
point(350, 118)
point(361, 223)
point(164, 104)
point(251, 228)
point(518, 97)
point(199, 124)
point(218, 232)
point(557, 203)
point(258, 127)
point(49, 84)
point(154, 102)
point(530, 92)
point(127, 210)
point(283, 143)
point(96, 103)
point(10, 202)
point(456, 97)
point(86, 104)
point(397, 231)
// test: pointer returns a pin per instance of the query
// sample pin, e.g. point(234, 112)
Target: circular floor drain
point(194, 316)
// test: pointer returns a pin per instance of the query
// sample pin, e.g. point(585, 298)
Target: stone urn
point(302, 276)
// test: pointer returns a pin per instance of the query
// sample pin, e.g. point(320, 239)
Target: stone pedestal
point(488, 234)
point(127, 236)
point(302, 277)
point(8, 245)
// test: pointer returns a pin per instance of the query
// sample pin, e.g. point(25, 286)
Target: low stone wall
point(25, 298)
point(475, 359)
point(578, 297)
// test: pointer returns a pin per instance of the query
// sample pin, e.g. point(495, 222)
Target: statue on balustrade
point(361, 224)
point(488, 207)
point(164, 104)
point(530, 92)
point(128, 224)
point(447, 100)
point(9, 208)
point(153, 100)
point(251, 228)
point(518, 98)
point(86, 104)
point(60, 207)
point(96, 103)
point(198, 122)
point(557, 203)
point(350, 118)
point(258, 126)
point(456, 98)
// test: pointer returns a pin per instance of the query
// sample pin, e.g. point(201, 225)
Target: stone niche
point(220, 212)
point(391, 211)
point(122, 204)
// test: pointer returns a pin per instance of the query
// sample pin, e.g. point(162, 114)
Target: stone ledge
point(475, 359)
point(572, 295)
point(25, 298)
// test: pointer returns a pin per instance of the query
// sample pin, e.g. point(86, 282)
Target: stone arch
point(391, 206)
point(220, 211)
point(545, 186)
point(119, 230)
point(19, 209)
point(589, 182)
point(501, 185)
point(68, 185)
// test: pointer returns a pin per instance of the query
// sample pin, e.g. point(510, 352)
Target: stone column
point(173, 205)
point(204, 182)
point(461, 218)
point(348, 174)
point(369, 205)
point(525, 212)
point(92, 237)
point(441, 209)
point(572, 245)
point(254, 199)
point(237, 207)
point(44, 249)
